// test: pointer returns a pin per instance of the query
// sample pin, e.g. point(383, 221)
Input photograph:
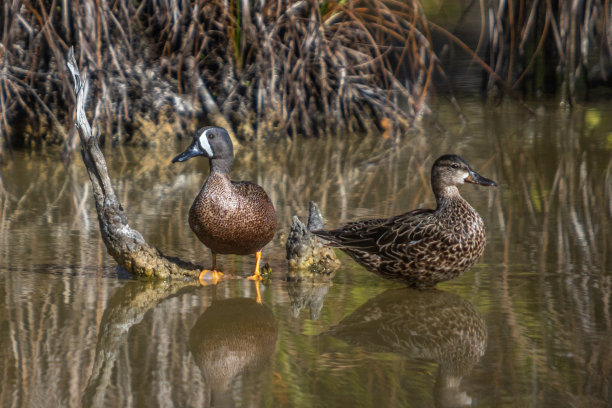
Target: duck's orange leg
point(257, 292)
point(256, 275)
point(216, 275)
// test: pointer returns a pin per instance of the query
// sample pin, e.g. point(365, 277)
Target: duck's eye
point(455, 165)
point(211, 136)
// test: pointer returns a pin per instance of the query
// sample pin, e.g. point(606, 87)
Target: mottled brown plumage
point(232, 217)
point(422, 247)
point(228, 217)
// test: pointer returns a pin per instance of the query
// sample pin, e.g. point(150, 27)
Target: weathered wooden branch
point(125, 244)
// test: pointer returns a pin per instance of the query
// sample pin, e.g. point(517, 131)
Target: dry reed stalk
point(563, 36)
point(262, 68)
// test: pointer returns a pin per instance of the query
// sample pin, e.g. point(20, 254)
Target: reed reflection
point(124, 312)
point(432, 325)
point(234, 341)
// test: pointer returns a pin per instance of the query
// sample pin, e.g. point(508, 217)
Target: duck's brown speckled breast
point(232, 217)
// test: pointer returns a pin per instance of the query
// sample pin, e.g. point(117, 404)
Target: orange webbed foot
point(215, 277)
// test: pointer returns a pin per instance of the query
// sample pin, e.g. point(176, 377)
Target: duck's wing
point(378, 235)
point(353, 234)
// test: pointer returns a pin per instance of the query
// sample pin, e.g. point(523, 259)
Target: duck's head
point(212, 142)
point(452, 171)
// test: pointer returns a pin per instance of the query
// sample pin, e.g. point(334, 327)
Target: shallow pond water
point(529, 325)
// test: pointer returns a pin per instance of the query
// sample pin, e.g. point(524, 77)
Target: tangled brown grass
point(260, 68)
point(549, 46)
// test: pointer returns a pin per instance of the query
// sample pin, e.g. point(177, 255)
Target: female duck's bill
point(475, 178)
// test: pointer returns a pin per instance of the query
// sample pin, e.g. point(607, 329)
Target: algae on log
point(124, 244)
point(310, 260)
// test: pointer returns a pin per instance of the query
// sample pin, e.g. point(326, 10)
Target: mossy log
point(124, 244)
point(308, 258)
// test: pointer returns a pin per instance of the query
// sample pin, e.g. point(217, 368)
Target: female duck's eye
point(455, 166)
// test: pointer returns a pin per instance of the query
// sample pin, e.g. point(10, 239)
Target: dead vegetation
point(548, 46)
point(258, 68)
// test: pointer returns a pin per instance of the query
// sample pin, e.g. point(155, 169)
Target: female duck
point(421, 247)
point(228, 217)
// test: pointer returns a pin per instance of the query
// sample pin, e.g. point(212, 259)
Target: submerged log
point(124, 244)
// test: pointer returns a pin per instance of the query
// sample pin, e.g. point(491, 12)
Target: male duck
point(229, 217)
point(421, 247)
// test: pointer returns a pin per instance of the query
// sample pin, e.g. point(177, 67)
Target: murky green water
point(529, 325)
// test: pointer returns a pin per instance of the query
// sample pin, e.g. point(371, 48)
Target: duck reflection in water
point(233, 340)
point(431, 324)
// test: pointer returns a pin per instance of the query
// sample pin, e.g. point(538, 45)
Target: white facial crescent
point(204, 143)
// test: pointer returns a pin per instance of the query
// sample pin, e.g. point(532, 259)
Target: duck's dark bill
point(192, 151)
point(476, 178)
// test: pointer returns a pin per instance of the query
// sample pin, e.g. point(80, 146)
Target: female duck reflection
point(233, 339)
point(431, 324)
